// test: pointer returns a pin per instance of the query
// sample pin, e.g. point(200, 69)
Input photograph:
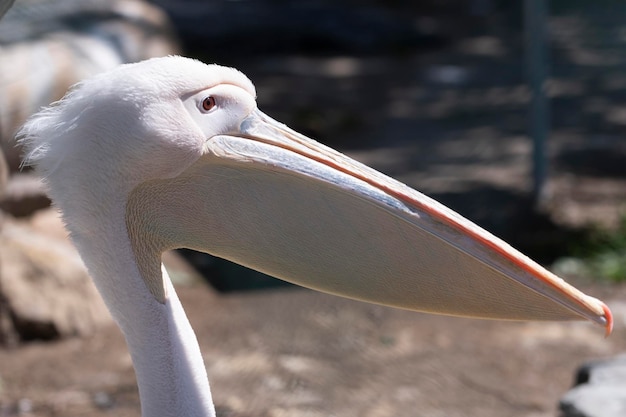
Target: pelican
point(171, 153)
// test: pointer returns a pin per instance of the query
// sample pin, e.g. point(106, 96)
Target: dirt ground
point(294, 352)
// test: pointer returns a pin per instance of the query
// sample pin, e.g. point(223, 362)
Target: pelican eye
point(208, 103)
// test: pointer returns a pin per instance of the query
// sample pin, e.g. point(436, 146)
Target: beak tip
point(608, 317)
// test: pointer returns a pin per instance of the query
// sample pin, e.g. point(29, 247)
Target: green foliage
point(605, 253)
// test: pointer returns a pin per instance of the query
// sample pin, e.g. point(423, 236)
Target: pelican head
point(171, 152)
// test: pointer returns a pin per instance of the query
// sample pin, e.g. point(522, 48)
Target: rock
point(4, 6)
point(45, 291)
point(600, 390)
point(23, 195)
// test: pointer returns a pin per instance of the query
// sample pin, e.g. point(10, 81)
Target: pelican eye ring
point(208, 103)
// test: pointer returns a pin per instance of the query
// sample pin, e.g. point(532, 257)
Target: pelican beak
point(271, 199)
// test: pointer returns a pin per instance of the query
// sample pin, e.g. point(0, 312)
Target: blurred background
point(512, 115)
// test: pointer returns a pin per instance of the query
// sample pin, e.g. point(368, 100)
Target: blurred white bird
point(46, 47)
point(171, 153)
